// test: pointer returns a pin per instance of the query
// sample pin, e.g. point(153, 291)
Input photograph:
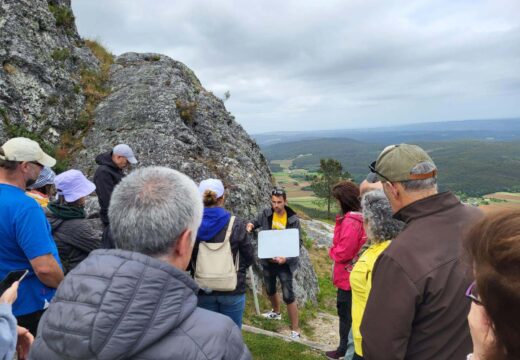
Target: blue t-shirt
point(25, 234)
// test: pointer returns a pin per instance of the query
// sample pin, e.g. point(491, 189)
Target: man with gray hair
point(137, 301)
point(417, 308)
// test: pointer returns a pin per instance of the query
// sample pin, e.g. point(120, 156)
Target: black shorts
point(282, 272)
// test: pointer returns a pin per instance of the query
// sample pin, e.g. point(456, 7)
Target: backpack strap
point(228, 236)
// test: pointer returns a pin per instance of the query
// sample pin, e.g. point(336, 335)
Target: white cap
point(126, 151)
point(214, 185)
point(23, 149)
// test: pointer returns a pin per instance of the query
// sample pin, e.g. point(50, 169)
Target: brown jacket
point(417, 308)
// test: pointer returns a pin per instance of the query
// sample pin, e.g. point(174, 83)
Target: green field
point(293, 181)
point(264, 347)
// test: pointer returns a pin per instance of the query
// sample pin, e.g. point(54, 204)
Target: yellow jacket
point(361, 283)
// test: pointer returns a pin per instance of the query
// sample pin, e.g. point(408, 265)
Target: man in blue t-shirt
point(26, 236)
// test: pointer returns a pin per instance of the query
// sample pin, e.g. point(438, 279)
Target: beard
point(29, 182)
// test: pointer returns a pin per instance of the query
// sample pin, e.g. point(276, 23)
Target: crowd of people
point(419, 275)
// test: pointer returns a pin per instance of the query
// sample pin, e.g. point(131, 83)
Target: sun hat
point(396, 162)
point(126, 151)
point(46, 177)
point(73, 185)
point(23, 149)
point(214, 185)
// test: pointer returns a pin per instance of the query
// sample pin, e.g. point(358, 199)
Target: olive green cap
point(396, 162)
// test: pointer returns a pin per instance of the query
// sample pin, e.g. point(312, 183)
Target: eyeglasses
point(472, 293)
point(278, 192)
point(372, 168)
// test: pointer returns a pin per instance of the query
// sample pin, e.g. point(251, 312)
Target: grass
point(323, 267)
point(94, 85)
point(264, 347)
point(61, 54)
point(63, 17)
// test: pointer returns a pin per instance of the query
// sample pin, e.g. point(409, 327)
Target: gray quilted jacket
point(119, 304)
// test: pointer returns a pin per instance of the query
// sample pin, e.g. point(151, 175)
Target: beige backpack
point(214, 268)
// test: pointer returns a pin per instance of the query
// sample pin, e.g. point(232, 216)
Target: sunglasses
point(372, 168)
point(278, 192)
point(472, 293)
point(36, 163)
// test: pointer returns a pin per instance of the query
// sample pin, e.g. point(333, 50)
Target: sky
point(317, 65)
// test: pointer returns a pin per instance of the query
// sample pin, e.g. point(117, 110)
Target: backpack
point(214, 268)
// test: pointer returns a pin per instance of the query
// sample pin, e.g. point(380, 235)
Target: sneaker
point(272, 315)
point(295, 335)
point(334, 355)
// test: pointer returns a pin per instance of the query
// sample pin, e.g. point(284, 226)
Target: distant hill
point(474, 167)
point(490, 130)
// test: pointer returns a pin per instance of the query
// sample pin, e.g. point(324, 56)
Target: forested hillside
point(473, 167)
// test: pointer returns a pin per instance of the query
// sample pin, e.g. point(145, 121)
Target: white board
point(274, 243)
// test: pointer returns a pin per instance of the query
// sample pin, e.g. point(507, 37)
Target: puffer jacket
point(120, 304)
point(264, 221)
point(75, 239)
point(107, 176)
point(349, 236)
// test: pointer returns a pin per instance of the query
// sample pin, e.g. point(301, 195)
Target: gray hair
point(151, 208)
point(377, 214)
point(426, 184)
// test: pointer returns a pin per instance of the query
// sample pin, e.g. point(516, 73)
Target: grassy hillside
point(472, 167)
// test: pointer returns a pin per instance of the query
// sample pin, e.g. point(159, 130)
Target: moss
point(60, 54)
point(63, 16)
point(8, 68)
point(153, 58)
point(53, 100)
point(187, 110)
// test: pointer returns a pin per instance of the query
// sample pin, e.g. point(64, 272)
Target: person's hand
point(23, 345)
point(9, 296)
point(249, 227)
point(280, 260)
point(481, 331)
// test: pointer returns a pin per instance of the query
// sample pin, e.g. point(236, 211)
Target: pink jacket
point(349, 236)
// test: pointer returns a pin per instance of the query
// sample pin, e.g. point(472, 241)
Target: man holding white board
point(279, 217)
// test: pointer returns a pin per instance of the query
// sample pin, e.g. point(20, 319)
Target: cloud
point(314, 65)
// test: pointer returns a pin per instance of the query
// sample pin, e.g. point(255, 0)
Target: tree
point(330, 172)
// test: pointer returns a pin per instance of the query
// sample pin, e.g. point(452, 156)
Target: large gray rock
point(158, 107)
point(41, 59)
point(319, 232)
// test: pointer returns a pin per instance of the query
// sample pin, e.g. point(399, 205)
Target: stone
point(40, 70)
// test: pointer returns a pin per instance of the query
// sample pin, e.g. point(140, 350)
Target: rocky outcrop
point(319, 232)
point(158, 106)
point(41, 57)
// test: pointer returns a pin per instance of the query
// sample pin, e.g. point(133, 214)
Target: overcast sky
point(307, 65)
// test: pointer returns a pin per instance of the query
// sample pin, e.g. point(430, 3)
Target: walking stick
point(255, 297)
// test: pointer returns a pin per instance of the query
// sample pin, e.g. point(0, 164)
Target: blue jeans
point(230, 305)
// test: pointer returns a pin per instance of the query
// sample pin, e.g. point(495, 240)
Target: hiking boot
point(271, 315)
point(334, 355)
point(295, 335)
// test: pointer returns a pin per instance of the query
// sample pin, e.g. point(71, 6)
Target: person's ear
point(184, 244)
point(391, 189)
